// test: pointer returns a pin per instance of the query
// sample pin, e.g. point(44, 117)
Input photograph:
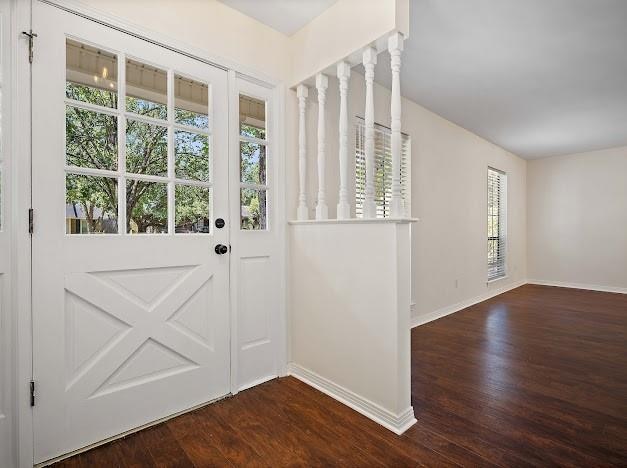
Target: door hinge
point(31, 44)
point(32, 393)
point(31, 216)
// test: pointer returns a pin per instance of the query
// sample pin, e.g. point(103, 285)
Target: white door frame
point(21, 268)
point(21, 192)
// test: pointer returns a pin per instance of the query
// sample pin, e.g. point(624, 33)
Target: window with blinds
point(383, 170)
point(497, 229)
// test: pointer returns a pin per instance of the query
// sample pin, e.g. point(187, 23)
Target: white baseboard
point(395, 423)
point(444, 311)
point(590, 287)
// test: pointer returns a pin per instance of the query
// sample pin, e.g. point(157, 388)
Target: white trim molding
point(589, 287)
point(451, 309)
point(354, 221)
point(397, 423)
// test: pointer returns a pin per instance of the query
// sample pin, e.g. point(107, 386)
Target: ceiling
point(537, 77)
point(286, 16)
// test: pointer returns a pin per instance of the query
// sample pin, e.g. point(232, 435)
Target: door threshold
point(129, 432)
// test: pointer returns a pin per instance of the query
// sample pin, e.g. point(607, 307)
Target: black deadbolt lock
point(220, 223)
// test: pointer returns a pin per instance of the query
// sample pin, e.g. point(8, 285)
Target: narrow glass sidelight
point(253, 164)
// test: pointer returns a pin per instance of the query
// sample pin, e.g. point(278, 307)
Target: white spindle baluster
point(343, 207)
point(395, 47)
point(369, 60)
point(322, 83)
point(302, 212)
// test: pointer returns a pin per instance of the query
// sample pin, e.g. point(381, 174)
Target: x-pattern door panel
point(136, 330)
point(130, 167)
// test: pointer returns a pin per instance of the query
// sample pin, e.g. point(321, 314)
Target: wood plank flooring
point(533, 377)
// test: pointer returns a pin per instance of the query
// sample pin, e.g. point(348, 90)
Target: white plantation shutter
point(383, 170)
point(497, 227)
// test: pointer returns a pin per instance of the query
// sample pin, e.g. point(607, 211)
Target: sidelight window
point(138, 146)
point(253, 164)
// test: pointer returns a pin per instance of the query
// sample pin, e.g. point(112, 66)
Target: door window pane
point(160, 130)
point(146, 207)
point(146, 148)
point(253, 211)
point(191, 153)
point(191, 102)
point(252, 117)
point(252, 163)
point(91, 74)
point(193, 205)
point(91, 204)
point(91, 139)
point(146, 90)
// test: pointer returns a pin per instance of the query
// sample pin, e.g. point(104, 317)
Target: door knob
point(221, 249)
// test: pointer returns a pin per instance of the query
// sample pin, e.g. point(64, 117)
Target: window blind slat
point(383, 169)
point(497, 230)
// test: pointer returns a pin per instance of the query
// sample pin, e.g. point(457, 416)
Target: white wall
point(577, 219)
point(341, 31)
point(449, 195)
point(349, 306)
point(208, 26)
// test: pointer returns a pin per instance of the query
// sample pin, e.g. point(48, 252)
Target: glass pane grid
point(92, 149)
point(253, 164)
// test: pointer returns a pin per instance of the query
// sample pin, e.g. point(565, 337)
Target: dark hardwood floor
point(533, 377)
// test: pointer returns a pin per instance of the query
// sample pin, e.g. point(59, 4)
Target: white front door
point(129, 174)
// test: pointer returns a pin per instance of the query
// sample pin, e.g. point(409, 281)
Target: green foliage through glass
point(191, 152)
point(146, 207)
point(192, 209)
point(91, 204)
point(253, 211)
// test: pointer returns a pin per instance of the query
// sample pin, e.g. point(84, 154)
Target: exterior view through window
point(253, 163)
point(136, 162)
point(497, 228)
point(383, 169)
